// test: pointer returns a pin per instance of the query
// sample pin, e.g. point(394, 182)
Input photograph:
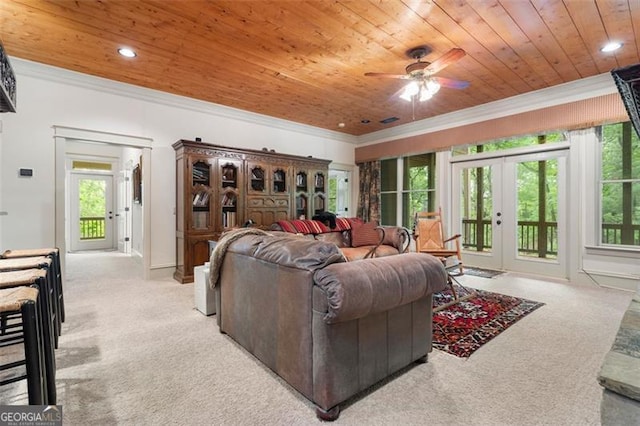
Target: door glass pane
point(93, 208)
point(537, 221)
point(477, 208)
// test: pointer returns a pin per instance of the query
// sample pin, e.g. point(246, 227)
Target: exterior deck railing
point(529, 236)
point(92, 228)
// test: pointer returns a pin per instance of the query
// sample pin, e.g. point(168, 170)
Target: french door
point(511, 212)
point(91, 218)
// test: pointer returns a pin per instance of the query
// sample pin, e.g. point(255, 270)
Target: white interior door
point(511, 212)
point(91, 206)
point(123, 209)
point(339, 192)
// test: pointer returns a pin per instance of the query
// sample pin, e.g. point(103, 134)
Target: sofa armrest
point(357, 289)
point(398, 237)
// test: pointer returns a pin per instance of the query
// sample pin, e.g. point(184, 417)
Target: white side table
point(205, 297)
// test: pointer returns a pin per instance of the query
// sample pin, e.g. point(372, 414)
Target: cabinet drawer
point(268, 202)
point(256, 202)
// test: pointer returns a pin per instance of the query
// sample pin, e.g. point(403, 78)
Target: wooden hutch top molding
point(246, 154)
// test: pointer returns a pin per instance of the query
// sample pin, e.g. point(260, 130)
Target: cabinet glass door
point(257, 178)
point(200, 195)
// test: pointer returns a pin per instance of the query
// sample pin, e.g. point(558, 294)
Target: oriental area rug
point(462, 328)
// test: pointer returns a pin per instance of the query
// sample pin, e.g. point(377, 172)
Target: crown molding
point(64, 76)
point(585, 88)
point(577, 90)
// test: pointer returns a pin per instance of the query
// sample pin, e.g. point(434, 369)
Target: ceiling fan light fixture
point(433, 86)
point(425, 95)
point(410, 90)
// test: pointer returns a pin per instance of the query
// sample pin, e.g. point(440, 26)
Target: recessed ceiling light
point(611, 46)
point(341, 125)
point(127, 53)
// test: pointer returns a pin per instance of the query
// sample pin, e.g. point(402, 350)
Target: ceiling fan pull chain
point(413, 107)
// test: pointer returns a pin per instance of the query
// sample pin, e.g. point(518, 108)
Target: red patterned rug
point(462, 328)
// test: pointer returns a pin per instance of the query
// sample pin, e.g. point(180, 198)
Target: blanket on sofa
point(217, 255)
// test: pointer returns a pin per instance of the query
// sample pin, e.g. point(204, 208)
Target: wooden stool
point(38, 278)
point(39, 262)
point(22, 302)
point(54, 254)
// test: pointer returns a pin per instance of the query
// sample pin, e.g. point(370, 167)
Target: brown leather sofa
point(355, 238)
point(329, 328)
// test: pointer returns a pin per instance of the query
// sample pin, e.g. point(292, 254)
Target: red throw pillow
point(365, 235)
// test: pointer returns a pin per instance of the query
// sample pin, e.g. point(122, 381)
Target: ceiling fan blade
point(385, 75)
point(445, 60)
point(450, 83)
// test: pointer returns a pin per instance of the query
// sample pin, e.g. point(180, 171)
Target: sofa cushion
point(357, 289)
point(365, 235)
point(342, 224)
point(303, 226)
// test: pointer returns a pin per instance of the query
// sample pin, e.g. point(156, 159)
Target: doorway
point(67, 141)
point(339, 193)
point(511, 212)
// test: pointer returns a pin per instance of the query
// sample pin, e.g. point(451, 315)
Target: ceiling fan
point(424, 84)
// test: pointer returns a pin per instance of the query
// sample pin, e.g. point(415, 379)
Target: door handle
point(498, 222)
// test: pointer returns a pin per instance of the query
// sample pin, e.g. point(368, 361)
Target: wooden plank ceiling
point(305, 60)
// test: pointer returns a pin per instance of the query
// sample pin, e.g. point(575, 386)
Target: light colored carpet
point(137, 352)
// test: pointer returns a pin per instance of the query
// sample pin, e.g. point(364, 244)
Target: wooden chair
point(429, 236)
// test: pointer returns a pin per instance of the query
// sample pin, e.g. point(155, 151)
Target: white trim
point(534, 149)
point(627, 282)
point(630, 252)
point(60, 75)
point(577, 90)
point(86, 135)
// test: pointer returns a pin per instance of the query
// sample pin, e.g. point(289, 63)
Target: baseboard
point(609, 280)
point(161, 272)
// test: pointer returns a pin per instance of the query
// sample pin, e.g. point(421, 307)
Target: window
point(620, 185)
point(416, 186)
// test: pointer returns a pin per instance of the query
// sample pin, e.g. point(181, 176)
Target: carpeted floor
point(136, 352)
point(464, 327)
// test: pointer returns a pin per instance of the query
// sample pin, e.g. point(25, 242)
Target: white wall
point(48, 96)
